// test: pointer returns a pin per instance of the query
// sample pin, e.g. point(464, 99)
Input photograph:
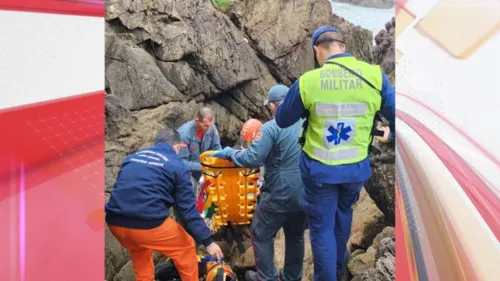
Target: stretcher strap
point(222, 168)
point(252, 171)
point(212, 176)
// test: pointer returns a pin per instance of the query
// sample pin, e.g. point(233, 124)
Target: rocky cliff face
point(166, 59)
point(381, 4)
point(381, 185)
point(384, 51)
point(378, 263)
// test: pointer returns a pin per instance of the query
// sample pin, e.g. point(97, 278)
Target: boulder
point(384, 50)
point(385, 265)
point(367, 222)
point(116, 256)
point(362, 262)
point(378, 262)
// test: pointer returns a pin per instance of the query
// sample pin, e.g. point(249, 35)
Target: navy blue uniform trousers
point(329, 212)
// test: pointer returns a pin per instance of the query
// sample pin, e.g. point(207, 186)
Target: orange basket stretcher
point(232, 190)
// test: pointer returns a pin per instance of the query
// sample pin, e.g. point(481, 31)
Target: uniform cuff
point(391, 137)
point(207, 241)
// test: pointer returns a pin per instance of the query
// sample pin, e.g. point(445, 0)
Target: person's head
point(204, 119)
point(250, 131)
point(327, 41)
point(170, 137)
point(275, 97)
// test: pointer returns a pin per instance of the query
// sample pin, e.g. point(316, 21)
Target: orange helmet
point(219, 272)
point(250, 130)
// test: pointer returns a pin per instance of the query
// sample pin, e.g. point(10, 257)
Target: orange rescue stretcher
point(231, 190)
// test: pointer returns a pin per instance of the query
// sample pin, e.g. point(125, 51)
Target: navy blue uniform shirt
point(149, 183)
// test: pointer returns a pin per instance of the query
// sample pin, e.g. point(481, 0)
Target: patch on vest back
point(338, 132)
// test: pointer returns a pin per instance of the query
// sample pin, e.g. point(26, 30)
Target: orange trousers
point(170, 239)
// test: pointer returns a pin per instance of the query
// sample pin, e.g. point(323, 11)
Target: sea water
point(369, 18)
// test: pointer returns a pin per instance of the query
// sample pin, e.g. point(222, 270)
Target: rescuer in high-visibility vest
point(340, 99)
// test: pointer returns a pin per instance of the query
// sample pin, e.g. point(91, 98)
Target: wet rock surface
point(381, 185)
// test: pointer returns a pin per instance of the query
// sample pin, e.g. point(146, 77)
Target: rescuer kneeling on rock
point(149, 183)
point(340, 99)
point(281, 194)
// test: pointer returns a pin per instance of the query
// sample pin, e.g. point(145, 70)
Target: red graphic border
point(94, 8)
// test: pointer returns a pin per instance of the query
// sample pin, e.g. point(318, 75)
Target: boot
point(251, 276)
point(343, 273)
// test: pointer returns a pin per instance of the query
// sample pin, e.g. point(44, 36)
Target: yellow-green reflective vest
point(341, 108)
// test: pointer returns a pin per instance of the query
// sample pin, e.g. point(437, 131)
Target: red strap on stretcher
point(200, 202)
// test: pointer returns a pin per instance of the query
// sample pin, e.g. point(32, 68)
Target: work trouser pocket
point(265, 225)
point(311, 206)
point(349, 194)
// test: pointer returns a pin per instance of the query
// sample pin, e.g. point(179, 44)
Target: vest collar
point(342, 55)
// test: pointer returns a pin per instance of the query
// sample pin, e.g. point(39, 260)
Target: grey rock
point(388, 232)
point(357, 252)
point(368, 222)
point(385, 266)
point(134, 76)
point(362, 262)
point(381, 185)
point(384, 51)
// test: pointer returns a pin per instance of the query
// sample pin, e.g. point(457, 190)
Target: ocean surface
point(369, 18)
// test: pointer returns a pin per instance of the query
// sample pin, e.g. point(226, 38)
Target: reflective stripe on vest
point(341, 108)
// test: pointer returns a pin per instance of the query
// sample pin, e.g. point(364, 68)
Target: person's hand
point(179, 146)
point(385, 137)
point(215, 251)
point(224, 154)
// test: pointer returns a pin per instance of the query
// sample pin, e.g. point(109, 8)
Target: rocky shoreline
point(165, 59)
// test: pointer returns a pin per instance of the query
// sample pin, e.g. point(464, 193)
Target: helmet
point(219, 272)
point(250, 130)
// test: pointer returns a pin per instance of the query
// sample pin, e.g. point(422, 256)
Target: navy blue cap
point(315, 36)
point(276, 93)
